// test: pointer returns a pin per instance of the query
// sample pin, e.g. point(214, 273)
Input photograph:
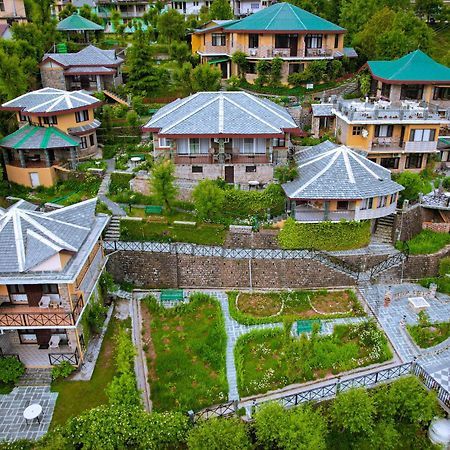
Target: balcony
point(389, 144)
point(318, 53)
point(229, 157)
point(309, 214)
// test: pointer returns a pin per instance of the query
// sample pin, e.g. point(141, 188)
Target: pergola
point(78, 24)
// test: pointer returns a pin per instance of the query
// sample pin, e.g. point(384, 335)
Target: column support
point(22, 159)
point(73, 158)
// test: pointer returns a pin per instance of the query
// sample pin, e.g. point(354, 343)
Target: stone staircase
point(36, 377)
point(383, 231)
point(113, 230)
point(117, 98)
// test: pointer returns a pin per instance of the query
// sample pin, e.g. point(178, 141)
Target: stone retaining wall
point(441, 227)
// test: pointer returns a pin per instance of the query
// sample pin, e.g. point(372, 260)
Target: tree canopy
point(220, 10)
point(171, 26)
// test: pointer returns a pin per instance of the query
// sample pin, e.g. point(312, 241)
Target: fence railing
point(6, 355)
point(391, 261)
point(58, 358)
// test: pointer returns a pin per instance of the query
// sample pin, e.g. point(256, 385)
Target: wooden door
point(229, 174)
point(293, 44)
point(34, 294)
point(43, 337)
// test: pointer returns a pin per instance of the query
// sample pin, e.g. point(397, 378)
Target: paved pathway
point(103, 190)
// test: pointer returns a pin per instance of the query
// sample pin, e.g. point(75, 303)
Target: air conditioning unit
point(253, 52)
point(216, 140)
point(226, 140)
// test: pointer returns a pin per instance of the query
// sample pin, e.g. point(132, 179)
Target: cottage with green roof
point(414, 76)
point(281, 30)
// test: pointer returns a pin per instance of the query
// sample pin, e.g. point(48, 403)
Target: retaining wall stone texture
point(408, 222)
point(441, 227)
point(262, 239)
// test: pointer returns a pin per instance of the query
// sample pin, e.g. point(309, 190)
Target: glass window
point(357, 130)
point(250, 169)
point(16, 289)
point(91, 140)
point(281, 41)
point(50, 289)
point(390, 163)
point(414, 161)
point(296, 68)
point(194, 146)
point(81, 116)
point(248, 145)
point(83, 143)
point(313, 41)
point(278, 142)
point(386, 90)
point(197, 169)
point(251, 67)
point(441, 93)
point(253, 40)
point(422, 135)
point(2, 5)
point(50, 120)
point(383, 130)
point(218, 39)
point(411, 92)
point(342, 205)
point(367, 203)
point(165, 142)
point(254, 5)
point(336, 41)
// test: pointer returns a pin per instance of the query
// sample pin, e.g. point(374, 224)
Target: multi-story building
point(12, 11)
point(415, 76)
point(231, 135)
point(129, 10)
point(396, 135)
point(49, 267)
point(336, 182)
point(90, 69)
point(55, 127)
point(281, 30)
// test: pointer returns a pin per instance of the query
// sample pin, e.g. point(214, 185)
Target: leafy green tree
point(118, 25)
point(11, 369)
point(86, 12)
point(300, 428)
point(365, 81)
point(208, 199)
point(206, 78)
point(219, 434)
point(203, 16)
point(414, 184)
point(163, 183)
point(285, 173)
point(171, 26)
point(275, 71)
point(13, 79)
point(67, 11)
point(263, 72)
point(428, 8)
point(179, 52)
point(183, 78)
point(220, 10)
point(240, 59)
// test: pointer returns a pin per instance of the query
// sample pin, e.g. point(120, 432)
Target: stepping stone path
point(36, 377)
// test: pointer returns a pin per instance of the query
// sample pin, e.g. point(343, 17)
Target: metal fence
point(58, 358)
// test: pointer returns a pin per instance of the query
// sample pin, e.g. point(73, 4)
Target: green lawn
point(185, 349)
point(426, 242)
point(426, 336)
point(257, 307)
point(77, 396)
point(272, 359)
point(203, 233)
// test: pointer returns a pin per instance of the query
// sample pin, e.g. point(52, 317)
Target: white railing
point(420, 147)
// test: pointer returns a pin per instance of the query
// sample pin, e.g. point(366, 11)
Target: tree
point(179, 52)
point(275, 71)
point(364, 81)
point(208, 199)
point(220, 10)
point(171, 26)
point(300, 428)
point(414, 184)
point(203, 16)
point(162, 183)
point(219, 434)
point(67, 11)
point(206, 78)
point(240, 59)
point(183, 78)
point(263, 70)
point(285, 173)
point(428, 8)
point(87, 13)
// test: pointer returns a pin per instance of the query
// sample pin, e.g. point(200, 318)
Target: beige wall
point(19, 175)
point(13, 9)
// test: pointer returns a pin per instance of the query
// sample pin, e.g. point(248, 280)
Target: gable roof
point(413, 67)
point(330, 171)
point(221, 114)
point(88, 56)
point(75, 22)
point(31, 137)
point(50, 101)
point(29, 237)
point(282, 17)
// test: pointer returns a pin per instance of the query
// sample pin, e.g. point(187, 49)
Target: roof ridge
point(275, 15)
point(296, 15)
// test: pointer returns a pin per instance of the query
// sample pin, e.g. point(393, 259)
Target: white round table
point(32, 412)
point(135, 160)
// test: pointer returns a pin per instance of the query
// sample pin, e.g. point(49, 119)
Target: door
point(34, 294)
point(402, 136)
point(43, 338)
point(34, 179)
point(84, 82)
point(293, 44)
point(229, 174)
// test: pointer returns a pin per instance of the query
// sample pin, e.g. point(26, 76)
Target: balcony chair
point(44, 302)
point(54, 341)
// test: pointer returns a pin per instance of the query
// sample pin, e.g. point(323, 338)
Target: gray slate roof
point(88, 56)
point(221, 113)
point(323, 109)
point(48, 100)
point(29, 237)
point(83, 128)
point(330, 171)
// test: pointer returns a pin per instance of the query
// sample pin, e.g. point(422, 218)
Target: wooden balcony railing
point(233, 157)
point(318, 52)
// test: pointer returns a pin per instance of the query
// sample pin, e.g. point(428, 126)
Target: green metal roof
point(216, 61)
point(413, 67)
point(75, 22)
point(283, 17)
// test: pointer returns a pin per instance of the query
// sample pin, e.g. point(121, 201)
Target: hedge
point(119, 182)
point(343, 235)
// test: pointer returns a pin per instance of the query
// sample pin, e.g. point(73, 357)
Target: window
point(2, 5)
point(313, 41)
point(254, 5)
point(50, 289)
point(218, 39)
point(91, 140)
point(253, 41)
point(342, 205)
point(367, 203)
point(357, 130)
point(296, 68)
point(23, 118)
point(441, 93)
point(281, 41)
point(81, 116)
point(83, 143)
point(445, 155)
point(251, 67)
point(414, 161)
point(16, 289)
point(197, 169)
point(194, 146)
point(248, 146)
point(390, 163)
point(422, 135)
point(382, 201)
point(278, 142)
point(336, 41)
point(411, 92)
point(165, 142)
point(250, 169)
point(383, 130)
point(50, 120)
point(386, 90)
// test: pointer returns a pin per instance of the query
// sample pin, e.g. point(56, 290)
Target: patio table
point(32, 412)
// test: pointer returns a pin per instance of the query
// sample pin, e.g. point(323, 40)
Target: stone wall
point(262, 239)
point(441, 227)
point(53, 78)
point(408, 222)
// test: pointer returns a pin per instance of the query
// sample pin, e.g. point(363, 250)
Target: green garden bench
point(138, 155)
point(306, 326)
point(172, 295)
point(152, 111)
point(153, 209)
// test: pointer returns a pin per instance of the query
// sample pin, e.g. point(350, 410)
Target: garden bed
point(186, 361)
point(429, 335)
point(427, 242)
point(257, 307)
point(272, 359)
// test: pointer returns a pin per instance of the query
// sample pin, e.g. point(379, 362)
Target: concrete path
point(115, 209)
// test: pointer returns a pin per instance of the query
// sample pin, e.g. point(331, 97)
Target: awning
point(216, 61)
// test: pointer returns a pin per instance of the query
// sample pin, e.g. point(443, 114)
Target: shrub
point(413, 184)
point(218, 434)
point(285, 173)
point(263, 70)
point(446, 183)
point(62, 370)
point(119, 182)
point(121, 391)
point(132, 118)
point(275, 71)
point(163, 183)
point(208, 199)
point(11, 369)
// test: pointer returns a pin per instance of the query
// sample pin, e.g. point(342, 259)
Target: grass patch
point(187, 370)
point(78, 396)
point(427, 242)
point(271, 359)
point(92, 164)
point(254, 308)
point(202, 234)
point(426, 336)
